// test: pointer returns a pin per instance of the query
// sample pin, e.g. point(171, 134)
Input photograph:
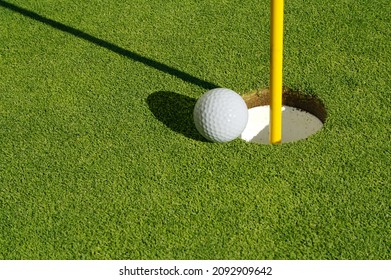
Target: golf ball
point(220, 115)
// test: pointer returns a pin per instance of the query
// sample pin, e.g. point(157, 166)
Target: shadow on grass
point(110, 46)
point(175, 111)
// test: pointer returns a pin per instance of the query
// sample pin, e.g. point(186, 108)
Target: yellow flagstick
point(276, 53)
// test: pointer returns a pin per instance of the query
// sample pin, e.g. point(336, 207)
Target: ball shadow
point(176, 112)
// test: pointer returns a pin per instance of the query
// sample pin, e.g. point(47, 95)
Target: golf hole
point(302, 116)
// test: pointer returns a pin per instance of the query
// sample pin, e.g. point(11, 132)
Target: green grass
point(99, 158)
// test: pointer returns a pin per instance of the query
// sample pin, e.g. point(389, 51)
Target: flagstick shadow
point(110, 46)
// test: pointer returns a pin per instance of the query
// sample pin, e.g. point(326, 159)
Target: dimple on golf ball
point(220, 115)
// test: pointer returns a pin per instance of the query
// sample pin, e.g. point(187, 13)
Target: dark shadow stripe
point(110, 46)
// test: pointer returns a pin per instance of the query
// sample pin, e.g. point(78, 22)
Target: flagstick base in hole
point(303, 116)
point(276, 61)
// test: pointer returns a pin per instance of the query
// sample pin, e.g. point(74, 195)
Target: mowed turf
point(99, 157)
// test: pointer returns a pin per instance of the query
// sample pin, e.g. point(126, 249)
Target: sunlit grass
point(99, 158)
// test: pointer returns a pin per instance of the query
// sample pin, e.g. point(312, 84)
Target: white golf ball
point(220, 115)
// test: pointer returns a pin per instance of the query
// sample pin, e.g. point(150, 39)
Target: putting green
point(100, 159)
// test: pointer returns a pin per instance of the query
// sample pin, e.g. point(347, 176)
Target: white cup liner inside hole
point(296, 125)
